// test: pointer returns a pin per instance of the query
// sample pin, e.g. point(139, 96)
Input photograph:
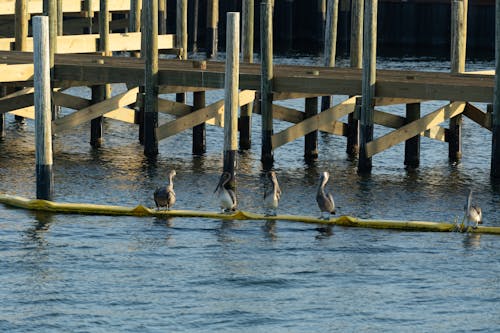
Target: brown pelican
point(225, 193)
point(272, 194)
point(325, 200)
point(165, 196)
point(473, 213)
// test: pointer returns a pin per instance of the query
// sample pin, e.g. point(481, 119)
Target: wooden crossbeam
point(16, 72)
point(15, 102)
point(130, 41)
point(414, 128)
point(27, 112)
point(278, 96)
point(317, 122)
point(95, 111)
point(174, 108)
point(384, 101)
point(7, 7)
point(478, 116)
point(395, 121)
point(200, 116)
point(179, 89)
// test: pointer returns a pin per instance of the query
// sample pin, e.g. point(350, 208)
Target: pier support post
point(266, 83)
point(43, 119)
point(162, 17)
point(151, 78)
point(458, 50)
point(2, 115)
point(231, 83)
point(356, 50)
point(311, 139)
point(319, 24)
point(495, 147)
point(196, 11)
point(368, 83)
point(21, 30)
point(245, 123)
point(199, 132)
point(181, 38)
point(212, 22)
point(101, 92)
point(332, 13)
point(412, 145)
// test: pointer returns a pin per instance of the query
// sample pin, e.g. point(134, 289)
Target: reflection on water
point(94, 273)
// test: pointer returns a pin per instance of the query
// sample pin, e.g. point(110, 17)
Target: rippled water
point(97, 273)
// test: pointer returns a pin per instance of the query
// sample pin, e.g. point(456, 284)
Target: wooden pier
point(81, 60)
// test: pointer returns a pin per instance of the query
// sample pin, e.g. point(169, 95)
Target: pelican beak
point(221, 180)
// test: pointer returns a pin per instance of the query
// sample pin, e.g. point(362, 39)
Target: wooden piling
point(458, 50)
point(89, 14)
point(181, 34)
point(151, 78)
point(42, 99)
point(266, 83)
point(199, 131)
point(245, 123)
point(311, 139)
point(231, 84)
point(368, 83)
point(330, 50)
point(162, 17)
point(101, 92)
point(181, 38)
point(356, 50)
point(196, 11)
point(2, 115)
point(212, 22)
point(21, 30)
point(412, 146)
point(319, 28)
point(59, 20)
point(50, 10)
point(495, 147)
point(21, 25)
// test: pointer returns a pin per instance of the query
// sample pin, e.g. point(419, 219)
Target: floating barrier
point(346, 221)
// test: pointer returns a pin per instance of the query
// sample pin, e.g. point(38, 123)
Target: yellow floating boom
point(346, 221)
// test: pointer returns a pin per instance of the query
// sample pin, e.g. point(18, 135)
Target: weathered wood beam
point(313, 123)
point(130, 41)
point(385, 101)
point(96, 110)
point(475, 114)
point(407, 131)
point(199, 116)
point(16, 72)
point(7, 7)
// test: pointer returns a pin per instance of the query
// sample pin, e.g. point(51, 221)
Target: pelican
point(165, 196)
point(473, 213)
point(272, 195)
point(225, 193)
point(325, 200)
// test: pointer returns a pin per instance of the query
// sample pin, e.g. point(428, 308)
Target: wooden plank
point(199, 116)
point(16, 72)
point(384, 101)
point(287, 114)
point(69, 101)
point(69, 6)
point(279, 96)
point(395, 121)
point(179, 89)
point(311, 124)
point(407, 131)
point(478, 116)
point(96, 110)
point(126, 115)
point(174, 108)
point(16, 102)
point(27, 112)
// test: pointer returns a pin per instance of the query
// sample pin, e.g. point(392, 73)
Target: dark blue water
point(114, 274)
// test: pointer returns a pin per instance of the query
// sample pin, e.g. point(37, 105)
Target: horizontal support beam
point(414, 128)
point(130, 41)
point(16, 72)
point(7, 7)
